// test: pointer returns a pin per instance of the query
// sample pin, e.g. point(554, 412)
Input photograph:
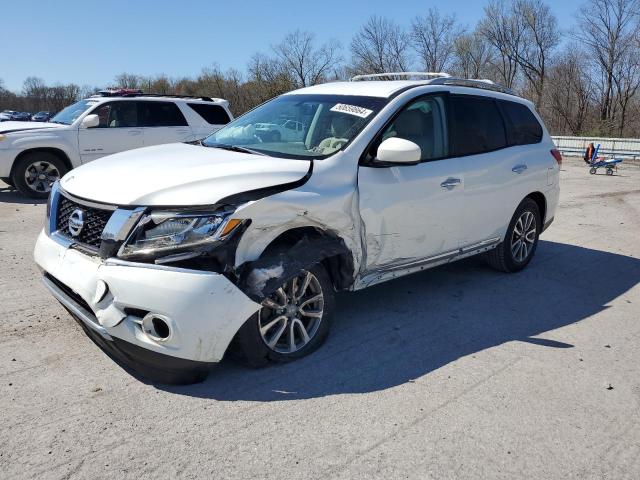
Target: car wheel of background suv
point(521, 240)
point(293, 322)
point(34, 173)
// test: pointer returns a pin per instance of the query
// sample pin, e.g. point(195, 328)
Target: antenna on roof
point(400, 75)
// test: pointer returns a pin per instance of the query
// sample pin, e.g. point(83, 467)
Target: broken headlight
point(168, 233)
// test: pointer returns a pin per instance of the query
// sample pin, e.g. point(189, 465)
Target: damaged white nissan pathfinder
point(170, 256)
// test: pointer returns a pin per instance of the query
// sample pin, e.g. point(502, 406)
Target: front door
point(412, 213)
point(118, 130)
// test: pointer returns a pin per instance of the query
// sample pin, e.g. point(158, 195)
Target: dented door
point(409, 213)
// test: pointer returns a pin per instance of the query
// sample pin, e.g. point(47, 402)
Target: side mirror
point(398, 150)
point(90, 121)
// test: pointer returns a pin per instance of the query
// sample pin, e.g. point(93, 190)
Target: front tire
point(521, 240)
point(35, 173)
point(293, 322)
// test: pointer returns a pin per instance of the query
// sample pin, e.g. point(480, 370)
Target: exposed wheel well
point(55, 151)
point(541, 202)
point(340, 267)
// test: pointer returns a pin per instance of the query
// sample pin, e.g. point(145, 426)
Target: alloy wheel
point(290, 317)
point(40, 176)
point(523, 237)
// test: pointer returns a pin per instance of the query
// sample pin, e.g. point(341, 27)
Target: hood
point(179, 175)
point(11, 126)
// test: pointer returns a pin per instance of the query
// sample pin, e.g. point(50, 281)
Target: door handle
point(134, 132)
point(519, 168)
point(450, 183)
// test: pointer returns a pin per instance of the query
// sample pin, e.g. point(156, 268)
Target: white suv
point(33, 155)
point(170, 256)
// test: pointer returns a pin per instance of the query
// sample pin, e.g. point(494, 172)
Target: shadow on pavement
point(11, 195)
point(399, 331)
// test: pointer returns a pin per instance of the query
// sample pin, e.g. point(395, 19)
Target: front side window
point(476, 125)
point(117, 115)
point(299, 126)
point(522, 126)
point(422, 122)
point(162, 114)
point(70, 114)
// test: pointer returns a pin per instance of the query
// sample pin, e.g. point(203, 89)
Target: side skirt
point(389, 272)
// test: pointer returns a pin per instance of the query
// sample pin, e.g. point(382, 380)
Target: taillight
point(557, 155)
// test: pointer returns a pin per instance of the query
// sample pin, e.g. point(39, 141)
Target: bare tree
point(570, 93)
point(434, 37)
point(498, 28)
point(128, 80)
point(304, 63)
point(380, 46)
point(268, 77)
point(525, 33)
point(472, 56)
point(626, 80)
point(608, 29)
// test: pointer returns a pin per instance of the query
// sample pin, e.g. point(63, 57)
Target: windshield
point(299, 126)
point(69, 115)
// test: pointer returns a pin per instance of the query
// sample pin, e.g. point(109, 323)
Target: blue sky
point(89, 42)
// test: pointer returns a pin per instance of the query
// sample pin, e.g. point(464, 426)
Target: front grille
point(95, 219)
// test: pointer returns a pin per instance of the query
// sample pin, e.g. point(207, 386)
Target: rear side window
point(522, 126)
point(162, 114)
point(213, 114)
point(476, 125)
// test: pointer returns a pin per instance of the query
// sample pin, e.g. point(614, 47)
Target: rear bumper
point(204, 310)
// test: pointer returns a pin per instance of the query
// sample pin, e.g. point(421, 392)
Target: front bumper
point(204, 310)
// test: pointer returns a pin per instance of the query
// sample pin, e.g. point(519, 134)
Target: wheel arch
point(55, 151)
point(339, 265)
point(541, 201)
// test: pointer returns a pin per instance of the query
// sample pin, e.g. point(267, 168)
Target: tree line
point(583, 81)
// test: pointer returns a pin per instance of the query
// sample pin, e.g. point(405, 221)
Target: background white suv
point(33, 155)
point(168, 255)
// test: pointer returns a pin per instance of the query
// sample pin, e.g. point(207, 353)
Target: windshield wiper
point(234, 148)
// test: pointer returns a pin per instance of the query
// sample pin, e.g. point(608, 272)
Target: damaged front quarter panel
point(260, 278)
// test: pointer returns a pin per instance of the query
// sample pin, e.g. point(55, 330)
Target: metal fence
point(615, 147)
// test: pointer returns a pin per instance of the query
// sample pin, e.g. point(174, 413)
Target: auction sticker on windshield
point(352, 110)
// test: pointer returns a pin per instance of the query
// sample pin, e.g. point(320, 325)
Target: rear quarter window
point(476, 125)
point(212, 114)
point(522, 126)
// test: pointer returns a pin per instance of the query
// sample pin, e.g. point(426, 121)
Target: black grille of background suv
point(95, 221)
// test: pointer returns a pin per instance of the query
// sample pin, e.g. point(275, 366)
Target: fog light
point(157, 327)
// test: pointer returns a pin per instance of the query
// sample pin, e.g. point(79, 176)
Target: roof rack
point(386, 76)
point(438, 78)
point(483, 83)
point(128, 92)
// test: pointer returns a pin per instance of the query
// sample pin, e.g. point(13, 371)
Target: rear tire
point(34, 173)
point(593, 170)
point(609, 171)
point(256, 343)
point(520, 243)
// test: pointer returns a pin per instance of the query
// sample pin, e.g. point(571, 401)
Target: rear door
point(119, 130)
point(163, 123)
point(498, 169)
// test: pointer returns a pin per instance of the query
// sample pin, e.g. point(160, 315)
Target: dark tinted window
point(213, 114)
point(476, 125)
point(522, 126)
point(117, 114)
point(162, 114)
